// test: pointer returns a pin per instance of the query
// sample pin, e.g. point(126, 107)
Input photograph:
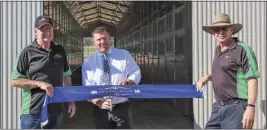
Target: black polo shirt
point(231, 70)
point(36, 63)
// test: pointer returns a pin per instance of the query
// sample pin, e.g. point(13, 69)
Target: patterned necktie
point(106, 76)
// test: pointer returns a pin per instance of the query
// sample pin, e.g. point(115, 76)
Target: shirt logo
point(227, 57)
point(57, 56)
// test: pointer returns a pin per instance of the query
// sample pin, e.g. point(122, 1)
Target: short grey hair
point(99, 30)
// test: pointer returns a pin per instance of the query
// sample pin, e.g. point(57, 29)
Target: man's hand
point(47, 87)
point(127, 82)
point(199, 86)
point(104, 104)
point(202, 82)
point(249, 114)
point(72, 109)
point(248, 117)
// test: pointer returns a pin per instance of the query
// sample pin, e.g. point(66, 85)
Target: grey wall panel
point(253, 17)
point(1, 62)
point(17, 22)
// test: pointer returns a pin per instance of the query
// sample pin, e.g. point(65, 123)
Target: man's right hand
point(47, 87)
point(202, 82)
point(104, 104)
point(199, 86)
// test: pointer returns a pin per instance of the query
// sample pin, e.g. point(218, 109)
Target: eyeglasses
point(217, 29)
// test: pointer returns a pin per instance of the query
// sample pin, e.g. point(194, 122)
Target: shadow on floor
point(145, 114)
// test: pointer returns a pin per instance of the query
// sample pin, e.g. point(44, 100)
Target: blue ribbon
point(80, 93)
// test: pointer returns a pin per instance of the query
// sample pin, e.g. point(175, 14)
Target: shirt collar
point(101, 54)
point(35, 44)
point(231, 46)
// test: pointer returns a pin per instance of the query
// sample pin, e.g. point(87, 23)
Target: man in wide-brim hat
point(234, 77)
point(222, 21)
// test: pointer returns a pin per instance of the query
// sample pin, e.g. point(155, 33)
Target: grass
point(87, 50)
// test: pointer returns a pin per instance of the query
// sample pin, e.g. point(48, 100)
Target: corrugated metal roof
point(87, 12)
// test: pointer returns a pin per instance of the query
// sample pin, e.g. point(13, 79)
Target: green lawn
point(87, 50)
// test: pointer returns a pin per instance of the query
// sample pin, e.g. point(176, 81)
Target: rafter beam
point(92, 20)
point(90, 14)
point(88, 18)
point(86, 15)
point(84, 2)
point(101, 7)
point(118, 8)
point(115, 3)
point(70, 5)
point(100, 17)
point(102, 21)
point(107, 19)
point(117, 15)
point(75, 12)
point(111, 15)
point(112, 10)
point(125, 3)
point(84, 10)
point(111, 18)
point(107, 22)
point(86, 21)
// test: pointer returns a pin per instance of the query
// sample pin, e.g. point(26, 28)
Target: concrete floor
point(146, 114)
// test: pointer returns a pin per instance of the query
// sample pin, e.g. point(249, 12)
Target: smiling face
point(101, 40)
point(223, 34)
point(45, 33)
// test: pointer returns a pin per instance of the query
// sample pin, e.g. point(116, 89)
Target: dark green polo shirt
point(35, 63)
point(231, 70)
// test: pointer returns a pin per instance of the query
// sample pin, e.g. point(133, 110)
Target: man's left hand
point(248, 117)
point(72, 109)
point(127, 82)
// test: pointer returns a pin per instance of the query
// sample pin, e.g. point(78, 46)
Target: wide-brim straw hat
point(222, 20)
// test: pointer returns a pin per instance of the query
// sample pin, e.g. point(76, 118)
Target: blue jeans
point(227, 116)
point(33, 121)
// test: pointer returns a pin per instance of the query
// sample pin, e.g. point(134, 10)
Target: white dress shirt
point(122, 67)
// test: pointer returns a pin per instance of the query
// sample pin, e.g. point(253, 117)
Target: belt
point(114, 105)
point(231, 101)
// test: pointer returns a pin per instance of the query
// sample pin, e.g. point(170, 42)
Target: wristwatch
point(251, 105)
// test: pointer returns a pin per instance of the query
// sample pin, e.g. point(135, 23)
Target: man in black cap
point(39, 67)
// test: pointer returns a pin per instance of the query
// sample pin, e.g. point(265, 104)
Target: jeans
point(33, 121)
point(226, 116)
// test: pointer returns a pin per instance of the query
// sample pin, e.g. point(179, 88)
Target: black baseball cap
point(43, 20)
